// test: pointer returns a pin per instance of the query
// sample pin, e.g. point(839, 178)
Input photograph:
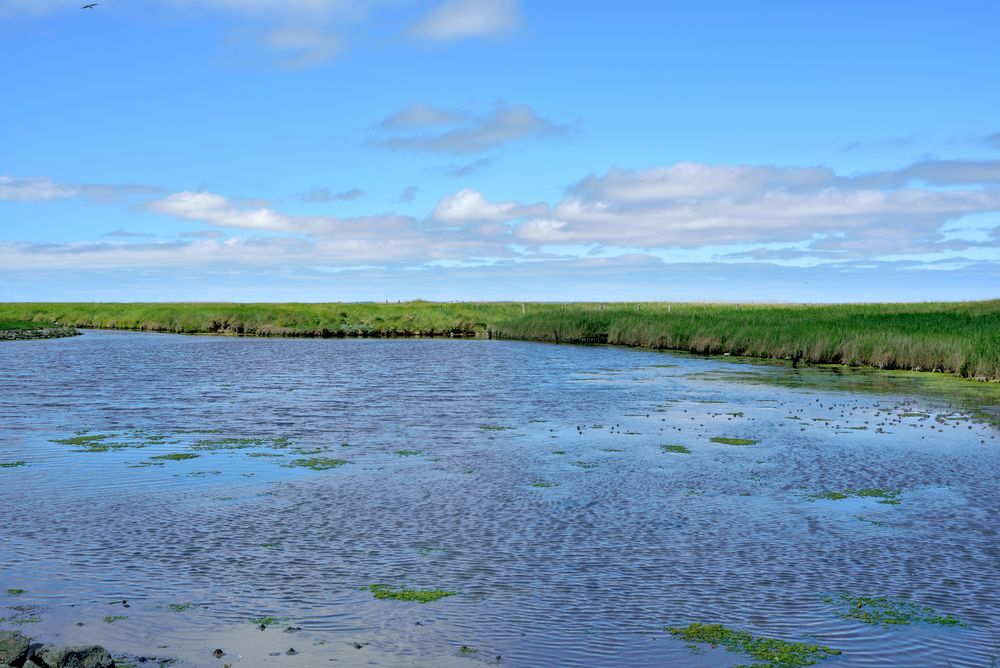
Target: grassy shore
point(961, 338)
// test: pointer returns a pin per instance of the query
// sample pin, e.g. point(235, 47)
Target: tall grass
point(961, 338)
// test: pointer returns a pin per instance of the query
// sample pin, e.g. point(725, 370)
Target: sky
point(371, 150)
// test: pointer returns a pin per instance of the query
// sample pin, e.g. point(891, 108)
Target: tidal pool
point(439, 502)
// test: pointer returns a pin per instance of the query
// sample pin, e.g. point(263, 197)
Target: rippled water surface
point(528, 478)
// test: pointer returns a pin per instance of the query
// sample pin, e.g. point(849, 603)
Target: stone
point(92, 656)
point(13, 647)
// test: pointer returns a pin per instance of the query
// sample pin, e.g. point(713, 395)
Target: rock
point(291, 651)
point(293, 629)
point(13, 647)
point(218, 654)
point(93, 656)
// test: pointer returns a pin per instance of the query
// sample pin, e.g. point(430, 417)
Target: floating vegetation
point(770, 652)
point(466, 650)
point(916, 415)
point(23, 614)
point(733, 441)
point(111, 619)
point(425, 551)
point(680, 449)
point(267, 621)
point(267, 454)
point(544, 484)
point(176, 456)
point(559, 452)
point(887, 611)
point(383, 591)
point(887, 496)
point(736, 414)
point(10, 465)
point(406, 453)
point(613, 450)
point(494, 427)
point(15, 592)
point(240, 443)
point(180, 607)
point(317, 463)
point(85, 440)
point(586, 465)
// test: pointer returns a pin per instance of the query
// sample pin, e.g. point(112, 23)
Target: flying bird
point(90, 6)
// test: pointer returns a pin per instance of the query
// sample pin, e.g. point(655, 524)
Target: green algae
point(733, 441)
point(679, 449)
point(544, 484)
point(10, 465)
point(239, 443)
point(15, 592)
point(889, 497)
point(767, 652)
point(111, 619)
point(406, 453)
point(180, 607)
point(494, 427)
point(317, 463)
point(586, 465)
point(267, 621)
point(887, 611)
point(176, 456)
point(384, 591)
point(559, 452)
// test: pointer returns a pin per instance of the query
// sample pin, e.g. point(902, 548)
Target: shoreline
point(958, 338)
point(38, 333)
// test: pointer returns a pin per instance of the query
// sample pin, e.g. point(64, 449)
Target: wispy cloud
point(459, 19)
point(993, 140)
point(43, 189)
point(465, 134)
point(324, 195)
point(461, 170)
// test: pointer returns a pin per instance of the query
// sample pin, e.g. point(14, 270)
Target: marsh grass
point(958, 337)
point(770, 652)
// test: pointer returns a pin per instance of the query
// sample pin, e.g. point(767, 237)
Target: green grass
point(733, 441)
point(13, 325)
point(959, 337)
point(768, 652)
point(886, 611)
point(383, 591)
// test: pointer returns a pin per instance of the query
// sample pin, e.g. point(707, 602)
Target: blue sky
point(323, 150)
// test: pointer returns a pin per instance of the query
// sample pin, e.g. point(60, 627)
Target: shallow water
point(628, 539)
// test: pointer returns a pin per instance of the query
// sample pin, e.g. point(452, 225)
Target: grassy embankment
point(961, 338)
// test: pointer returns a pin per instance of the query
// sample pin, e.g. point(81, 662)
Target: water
point(628, 539)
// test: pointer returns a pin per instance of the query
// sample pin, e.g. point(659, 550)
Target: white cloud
point(300, 47)
point(470, 205)
point(43, 189)
point(458, 19)
point(469, 134)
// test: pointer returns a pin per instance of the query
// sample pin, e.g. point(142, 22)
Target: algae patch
point(383, 591)
point(887, 496)
point(887, 611)
point(768, 652)
point(680, 449)
point(317, 463)
point(733, 441)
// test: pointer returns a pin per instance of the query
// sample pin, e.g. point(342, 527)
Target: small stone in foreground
point(13, 647)
point(93, 656)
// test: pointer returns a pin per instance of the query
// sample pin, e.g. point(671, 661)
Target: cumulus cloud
point(465, 134)
point(470, 205)
point(42, 189)
point(459, 19)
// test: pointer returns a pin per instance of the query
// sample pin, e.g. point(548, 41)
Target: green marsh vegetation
point(384, 591)
point(317, 463)
point(10, 465)
point(887, 611)
point(679, 449)
point(767, 652)
point(961, 337)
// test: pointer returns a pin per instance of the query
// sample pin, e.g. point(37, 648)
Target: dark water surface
point(587, 572)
